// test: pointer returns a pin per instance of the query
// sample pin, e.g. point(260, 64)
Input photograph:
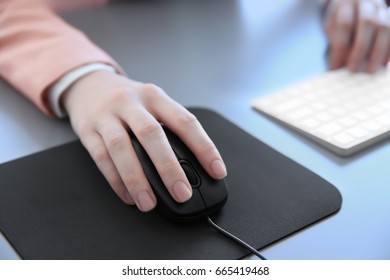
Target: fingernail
point(181, 191)
point(218, 169)
point(145, 201)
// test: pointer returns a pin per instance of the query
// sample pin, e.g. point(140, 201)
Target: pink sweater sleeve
point(37, 48)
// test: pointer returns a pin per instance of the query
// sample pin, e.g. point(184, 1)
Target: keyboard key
point(300, 113)
point(323, 116)
point(337, 111)
point(358, 132)
point(283, 107)
point(371, 125)
point(310, 123)
point(348, 121)
point(361, 116)
point(318, 106)
point(329, 129)
point(374, 109)
point(384, 119)
point(343, 138)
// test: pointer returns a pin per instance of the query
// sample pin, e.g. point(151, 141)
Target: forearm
point(37, 48)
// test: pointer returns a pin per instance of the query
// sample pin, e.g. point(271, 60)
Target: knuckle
point(206, 147)
point(151, 90)
point(100, 155)
point(82, 127)
point(119, 94)
point(168, 168)
point(149, 129)
point(131, 180)
point(187, 119)
point(115, 141)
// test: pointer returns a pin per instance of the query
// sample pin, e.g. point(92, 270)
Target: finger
point(96, 148)
point(188, 128)
point(118, 144)
point(364, 35)
point(191, 132)
point(340, 30)
point(153, 139)
point(381, 44)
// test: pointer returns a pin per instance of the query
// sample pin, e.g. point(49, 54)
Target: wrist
point(67, 80)
point(78, 91)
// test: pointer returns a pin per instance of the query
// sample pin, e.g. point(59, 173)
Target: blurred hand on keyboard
point(359, 34)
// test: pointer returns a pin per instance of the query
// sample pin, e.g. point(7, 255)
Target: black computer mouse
point(208, 196)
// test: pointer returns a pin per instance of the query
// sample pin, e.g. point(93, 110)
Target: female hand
point(102, 106)
point(359, 34)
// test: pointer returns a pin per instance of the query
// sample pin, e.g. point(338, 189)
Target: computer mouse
point(208, 194)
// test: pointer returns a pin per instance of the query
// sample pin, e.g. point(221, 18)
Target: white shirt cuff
point(56, 91)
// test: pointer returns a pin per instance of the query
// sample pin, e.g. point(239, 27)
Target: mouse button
point(193, 207)
point(190, 172)
point(214, 193)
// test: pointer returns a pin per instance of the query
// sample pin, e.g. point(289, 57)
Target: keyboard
point(342, 111)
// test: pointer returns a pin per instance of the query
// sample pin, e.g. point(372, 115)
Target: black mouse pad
point(56, 205)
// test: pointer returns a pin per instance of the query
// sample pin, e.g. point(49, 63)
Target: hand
point(359, 34)
point(102, 106)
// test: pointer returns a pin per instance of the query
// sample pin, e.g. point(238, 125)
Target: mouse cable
point(235, 238)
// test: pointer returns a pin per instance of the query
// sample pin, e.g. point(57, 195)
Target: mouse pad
point(56, 205)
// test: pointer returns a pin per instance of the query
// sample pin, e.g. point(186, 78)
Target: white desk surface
point(221, 54)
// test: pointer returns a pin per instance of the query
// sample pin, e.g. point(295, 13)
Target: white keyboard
point(345, 112)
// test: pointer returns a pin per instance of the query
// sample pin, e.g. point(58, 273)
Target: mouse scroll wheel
point(190, 173)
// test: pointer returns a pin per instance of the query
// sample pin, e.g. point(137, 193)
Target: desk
point(220, 55)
